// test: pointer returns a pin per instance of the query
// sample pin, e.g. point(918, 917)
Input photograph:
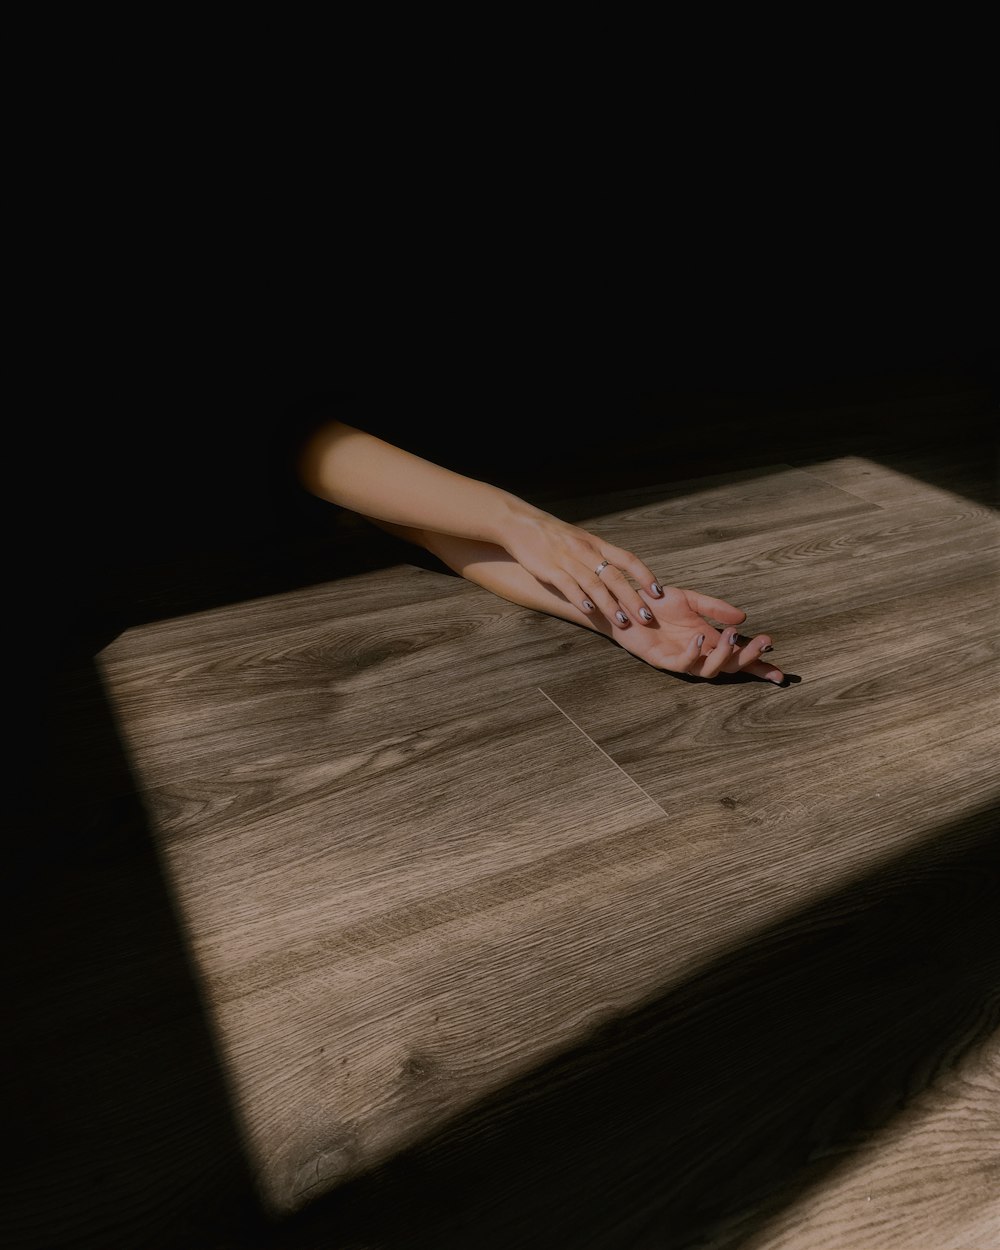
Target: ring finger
point(601, 594)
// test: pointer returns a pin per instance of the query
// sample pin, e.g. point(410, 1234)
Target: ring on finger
point(601, 567)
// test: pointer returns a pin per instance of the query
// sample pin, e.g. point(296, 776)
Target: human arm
point(682, 639)
point(363, 473)
point(524, 554)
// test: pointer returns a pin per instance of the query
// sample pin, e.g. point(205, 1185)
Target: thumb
point(716, 609)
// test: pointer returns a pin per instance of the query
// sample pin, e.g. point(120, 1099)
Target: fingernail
point(657, 589)
point(701, 640)
point(645, 614)
point(587, 606)
point(621, 618)
point(763, 650)
point(732, 638)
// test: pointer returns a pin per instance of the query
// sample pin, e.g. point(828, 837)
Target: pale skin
point(534, 559)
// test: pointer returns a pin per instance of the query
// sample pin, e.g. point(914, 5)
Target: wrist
point(510, 514)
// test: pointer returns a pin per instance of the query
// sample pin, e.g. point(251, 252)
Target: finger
point(595, 589)
point(715, 609)
point(635, 568)
point(720, 653)
point(628, 598)
point(689, 657)
point(752, 650)
point(572, 592)
point(769, 673)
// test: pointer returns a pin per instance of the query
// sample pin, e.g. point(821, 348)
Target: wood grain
point(742, 1092)
point(891, 485)
point(447, 870)
point(949, 1130)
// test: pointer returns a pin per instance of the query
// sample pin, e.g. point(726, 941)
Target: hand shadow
point(736, 679)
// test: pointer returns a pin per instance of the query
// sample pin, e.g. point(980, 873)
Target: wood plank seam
point(603, 752)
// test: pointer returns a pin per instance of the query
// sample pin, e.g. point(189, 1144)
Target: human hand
point(683, 640)
point(567, 558)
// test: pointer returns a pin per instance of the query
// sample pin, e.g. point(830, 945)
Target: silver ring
point(601, 567)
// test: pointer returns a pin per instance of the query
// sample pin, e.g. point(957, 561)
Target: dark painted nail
point(765, 649)
point(657, 589)
point(733, 638)
point(621, 618)
point(587, 606)
point(645, 614)
point(701, 640)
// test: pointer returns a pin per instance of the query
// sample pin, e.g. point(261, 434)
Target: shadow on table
point(699, 1117)
point(118, 1110)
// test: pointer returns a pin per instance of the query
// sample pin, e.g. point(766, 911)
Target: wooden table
point(499, 937)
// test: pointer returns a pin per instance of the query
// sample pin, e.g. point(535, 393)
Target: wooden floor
point(424, 921)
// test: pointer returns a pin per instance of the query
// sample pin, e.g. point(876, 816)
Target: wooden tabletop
point(500, 937)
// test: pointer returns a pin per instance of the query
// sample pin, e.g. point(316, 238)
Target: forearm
point(358, 471)
point(489, 566)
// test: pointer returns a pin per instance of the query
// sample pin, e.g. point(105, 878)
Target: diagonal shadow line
point(696, 1119)
point(117, 1103)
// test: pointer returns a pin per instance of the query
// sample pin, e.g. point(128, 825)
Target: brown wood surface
point(500, 937)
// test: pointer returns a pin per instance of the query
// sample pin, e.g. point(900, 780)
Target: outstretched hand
point(679, 633)
point(683, 640)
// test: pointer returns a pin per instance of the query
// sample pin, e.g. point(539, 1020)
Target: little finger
point(767, 671)
point(572, 592)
